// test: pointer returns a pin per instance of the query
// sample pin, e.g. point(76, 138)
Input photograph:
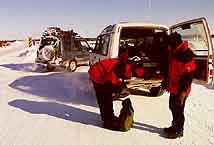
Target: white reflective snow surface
point(59, 108)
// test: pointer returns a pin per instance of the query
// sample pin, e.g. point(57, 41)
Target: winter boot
point(171, 128)
point(173, 131)
point(112, 123)
point(174, 134)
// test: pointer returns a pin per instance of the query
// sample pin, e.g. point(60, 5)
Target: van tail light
point(211, 71)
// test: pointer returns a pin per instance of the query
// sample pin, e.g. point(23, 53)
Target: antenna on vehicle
point(149, 10)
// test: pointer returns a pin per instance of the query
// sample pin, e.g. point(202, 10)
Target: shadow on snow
point(71, 113)
point(58, 110)
point(26, 67)
point(63, 87)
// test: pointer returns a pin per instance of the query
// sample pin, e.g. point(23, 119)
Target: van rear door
point(197, 33)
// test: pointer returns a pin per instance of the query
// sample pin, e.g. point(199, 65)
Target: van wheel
point(156, 91)
point(71, 65)
point(50, 67)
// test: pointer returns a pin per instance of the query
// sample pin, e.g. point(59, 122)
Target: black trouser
point(104, 100)
point(176, 105)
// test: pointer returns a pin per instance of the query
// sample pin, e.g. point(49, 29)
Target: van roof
point(113, 27)
point(127, 24)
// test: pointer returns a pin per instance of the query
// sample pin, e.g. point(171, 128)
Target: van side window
point(102, 44)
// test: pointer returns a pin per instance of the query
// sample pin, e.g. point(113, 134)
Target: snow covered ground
point(59, 108)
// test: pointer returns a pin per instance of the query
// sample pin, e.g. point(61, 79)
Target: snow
point(59, 108)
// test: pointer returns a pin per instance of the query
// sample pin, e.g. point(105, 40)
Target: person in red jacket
point(178, 82)
point(108, 79)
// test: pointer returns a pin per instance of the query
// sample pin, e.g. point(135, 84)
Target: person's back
point(103, 71)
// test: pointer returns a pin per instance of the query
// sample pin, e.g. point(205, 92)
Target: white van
point(147, 42)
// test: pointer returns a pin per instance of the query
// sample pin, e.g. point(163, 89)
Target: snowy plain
point(59, 108)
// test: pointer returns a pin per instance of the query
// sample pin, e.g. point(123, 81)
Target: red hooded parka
point(103, 71)
point(177, 69)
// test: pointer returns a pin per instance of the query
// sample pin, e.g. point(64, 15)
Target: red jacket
point(103, 71)
point(177, 69)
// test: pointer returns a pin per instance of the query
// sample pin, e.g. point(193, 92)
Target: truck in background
point(60, 48)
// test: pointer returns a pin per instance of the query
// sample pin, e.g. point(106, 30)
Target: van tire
point(50, 67)
point(72, 65)
point(156, 91)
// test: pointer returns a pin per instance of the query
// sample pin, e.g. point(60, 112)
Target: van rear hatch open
point(149, 44)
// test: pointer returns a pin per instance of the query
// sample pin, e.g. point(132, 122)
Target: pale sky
point(23, 18)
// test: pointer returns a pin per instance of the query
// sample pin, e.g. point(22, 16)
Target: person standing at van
point(178, 82)
point(108, 79)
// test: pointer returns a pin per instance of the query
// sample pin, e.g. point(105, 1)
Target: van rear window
point(102, 44)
